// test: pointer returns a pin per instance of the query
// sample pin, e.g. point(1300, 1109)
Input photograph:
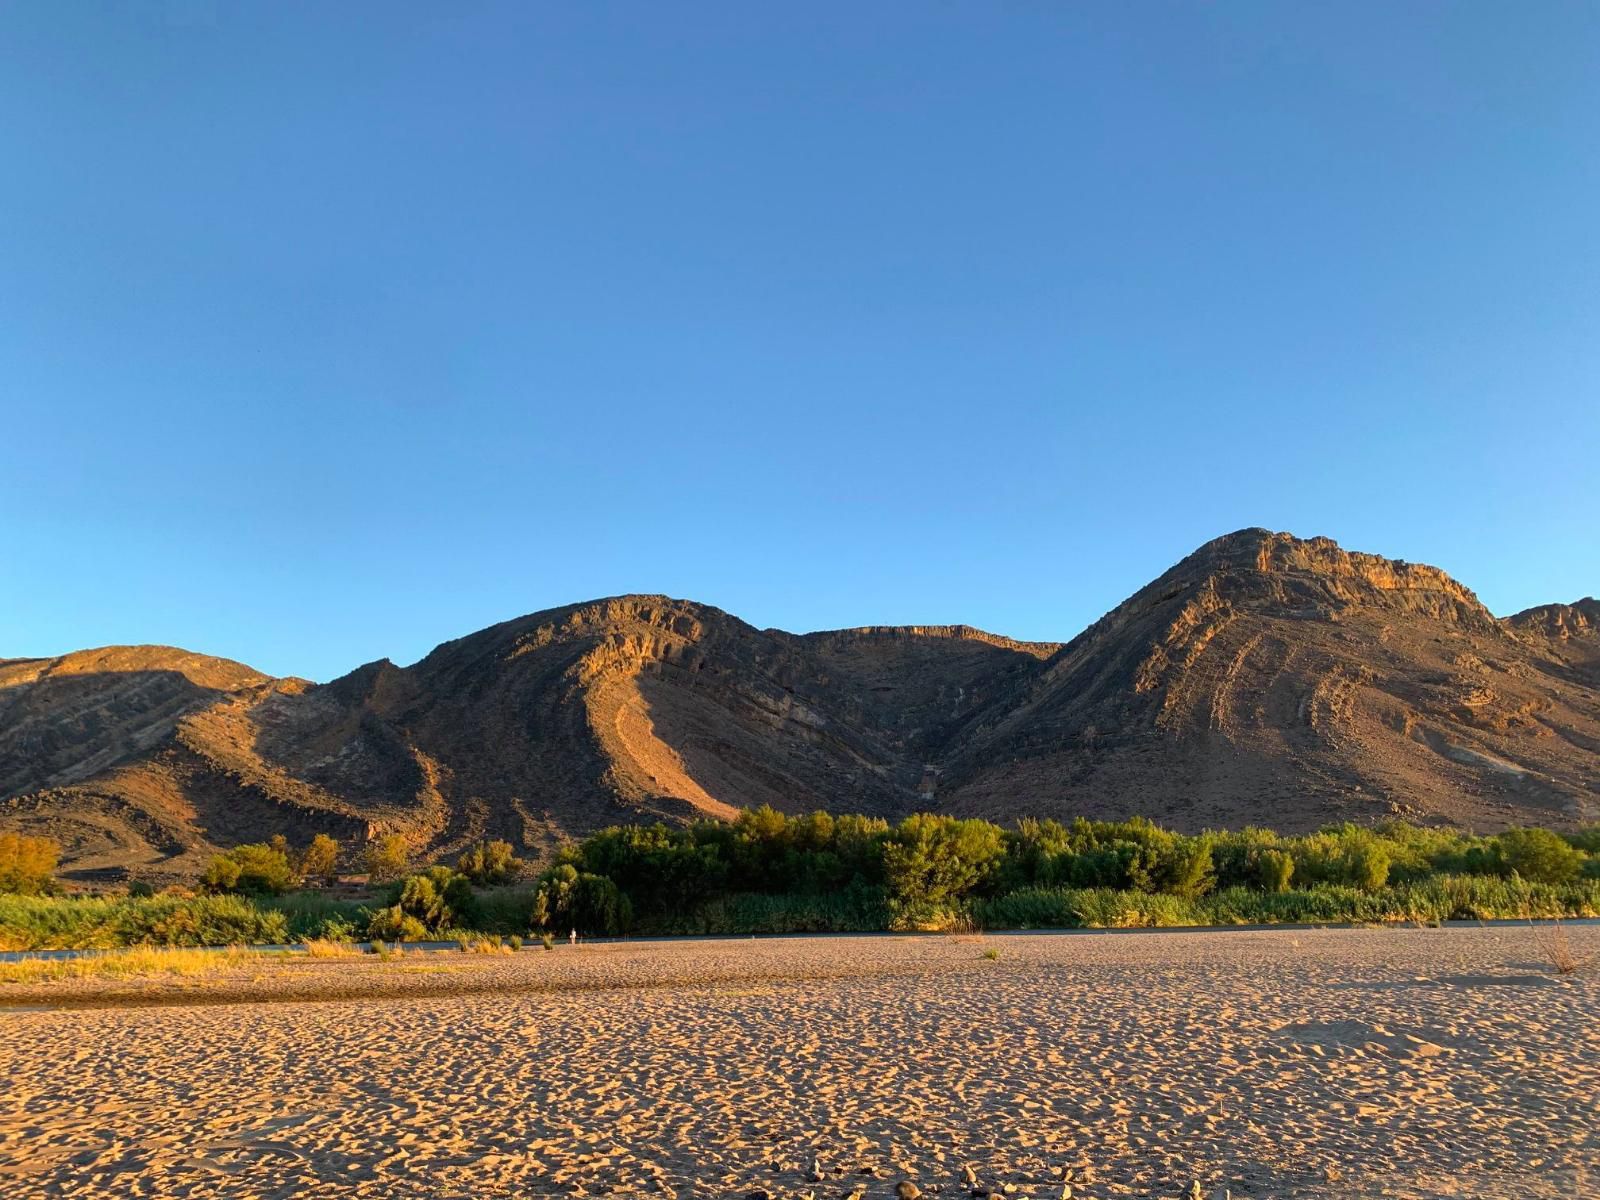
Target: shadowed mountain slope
point(1263, 679)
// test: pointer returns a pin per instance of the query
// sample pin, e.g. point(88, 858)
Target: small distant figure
point(572, 938)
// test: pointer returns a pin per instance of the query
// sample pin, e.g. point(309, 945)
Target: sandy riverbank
point(1337, 1063)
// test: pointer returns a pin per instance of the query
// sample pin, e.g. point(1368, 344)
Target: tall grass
point(39, 922)
point(1443, 898)
point(92, 923)
point(134, 962)
point(309, 915)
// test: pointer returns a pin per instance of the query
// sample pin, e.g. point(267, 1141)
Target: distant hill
point(1264, 679)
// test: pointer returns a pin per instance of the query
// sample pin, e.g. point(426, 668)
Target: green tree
point(321, 859)
point(387, 858)
point(27, 864)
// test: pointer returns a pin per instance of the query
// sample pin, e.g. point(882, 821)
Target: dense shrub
point(314, 915)
point(253, 867)
point(504, 911)
point(1537, 855)
point(1347, 855)
point(1274, 870)
point(932, 861)
point(438, 899)
point(857, 909)
point(1586, 839)
point(490, 863)
point(394, 924)
point(588, 903)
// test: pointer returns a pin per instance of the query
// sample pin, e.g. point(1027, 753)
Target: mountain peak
point(1284, 570)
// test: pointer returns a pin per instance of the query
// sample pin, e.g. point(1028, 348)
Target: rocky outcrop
point(1265, 678)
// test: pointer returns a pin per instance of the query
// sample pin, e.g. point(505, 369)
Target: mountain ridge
point(1263, 678)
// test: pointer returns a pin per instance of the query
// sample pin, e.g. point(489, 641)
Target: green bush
point(254, 868)
point(309, 915)
point(1586, 839)
point(1274, 870)
point(1538, 856)
point(504, 910)
point(394, 924)
point(858, 909)
point(1347, 855)
point(438, 899)
point(931, 861)
point(490, 864)
point(569, 898)
point(1029, 908)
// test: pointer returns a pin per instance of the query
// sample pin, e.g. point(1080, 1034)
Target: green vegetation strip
point(768, 873)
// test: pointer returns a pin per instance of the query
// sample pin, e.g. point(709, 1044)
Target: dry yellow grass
point(484, 945)
point(328, 948)
point(122, 964)
point(1557, 948)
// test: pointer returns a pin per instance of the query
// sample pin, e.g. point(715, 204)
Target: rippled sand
point(1340, 1063)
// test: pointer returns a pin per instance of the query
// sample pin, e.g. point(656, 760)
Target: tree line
point(767, 871)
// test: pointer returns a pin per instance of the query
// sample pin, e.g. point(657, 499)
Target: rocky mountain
point(1263, 679)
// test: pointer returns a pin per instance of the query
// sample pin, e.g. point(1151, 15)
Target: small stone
point(758, 1194)
point(906, 1190)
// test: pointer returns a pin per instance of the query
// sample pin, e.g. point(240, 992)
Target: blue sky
point(329, 332)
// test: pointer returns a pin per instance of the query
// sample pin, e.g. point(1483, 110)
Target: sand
point(1333, 1063)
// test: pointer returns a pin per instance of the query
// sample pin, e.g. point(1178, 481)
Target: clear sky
point(329, 332)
